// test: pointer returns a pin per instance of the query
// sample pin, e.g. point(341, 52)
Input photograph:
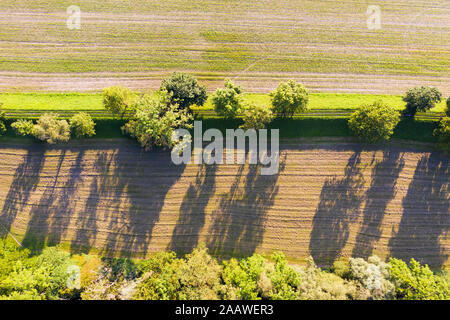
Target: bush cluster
point(55, 274)
point(50, 129)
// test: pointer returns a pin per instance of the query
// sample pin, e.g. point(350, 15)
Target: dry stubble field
point(331, 198)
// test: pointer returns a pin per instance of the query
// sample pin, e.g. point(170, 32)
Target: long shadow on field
point(25, 182)
point(131, 195)
point(239, 220)
point(192, 210)
point(50, 218)
point(382, 190)
point(426, 213)
point(87, 224)
point(339, 206)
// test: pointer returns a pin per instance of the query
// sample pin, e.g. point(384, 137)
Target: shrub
point(443, 134)
point(374, 122)
point(154, 122)
point(373, 275)
point(23, 127)
point(290, 97)
point(118, 100)
point(256, 116)
point(48, 128)
point(82, 124)
point(421, 99)
point(159, 280)
point(341, 268)
point(2, 123)
point(244, 275)
point(199, 276)
point(184, 90)
point(416, 282)
point(284, 280)
point(319, 285)
point(228, 101)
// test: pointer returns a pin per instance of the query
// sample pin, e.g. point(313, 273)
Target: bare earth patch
point(329, 199)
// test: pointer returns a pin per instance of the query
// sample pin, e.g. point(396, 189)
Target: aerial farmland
point(112, 166)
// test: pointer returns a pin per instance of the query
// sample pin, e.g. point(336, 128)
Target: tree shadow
point(339, 207)
point(238, 225)
point(135, 190)
point(426, 213)
point(87, 224)
point(382, 190)
point(192, 210)
point(50, 218)
point(24, 184)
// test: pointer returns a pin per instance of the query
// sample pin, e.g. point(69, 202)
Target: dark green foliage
point(442, 132)
point(421, 99)
point(2, 123)
point(184, 90)
point(375, 122)
point(154, 122)
point(120, 268)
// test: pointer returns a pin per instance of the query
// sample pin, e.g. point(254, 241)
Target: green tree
point(184, 90)
point(256, 116)
point(2, 123)
point(416, 282)
point(290, 97)
point(82, 125)
point(228, 101)
point(48, 128)
point(160, 279)
point(40, 277)
point(421, 99)
point(374, 122)
point(443, 134)
point(284, 279)
point(119, 100)
point(244, 275)
point(155, 120)
point(23, 127)
point(199, 276)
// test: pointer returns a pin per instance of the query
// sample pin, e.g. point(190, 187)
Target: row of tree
point(152, 118)
point(55, 274)
point(153, 121)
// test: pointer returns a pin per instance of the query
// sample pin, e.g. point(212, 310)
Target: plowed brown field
point(330, 199)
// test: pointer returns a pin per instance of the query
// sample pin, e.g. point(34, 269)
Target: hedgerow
point(55, 274)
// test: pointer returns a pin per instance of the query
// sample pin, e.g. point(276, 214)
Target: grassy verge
point(93, 101)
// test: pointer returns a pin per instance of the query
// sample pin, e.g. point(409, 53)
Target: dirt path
point(330, 199)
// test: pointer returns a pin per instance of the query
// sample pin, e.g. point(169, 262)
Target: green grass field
point(324, 43)
point(87, 101)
